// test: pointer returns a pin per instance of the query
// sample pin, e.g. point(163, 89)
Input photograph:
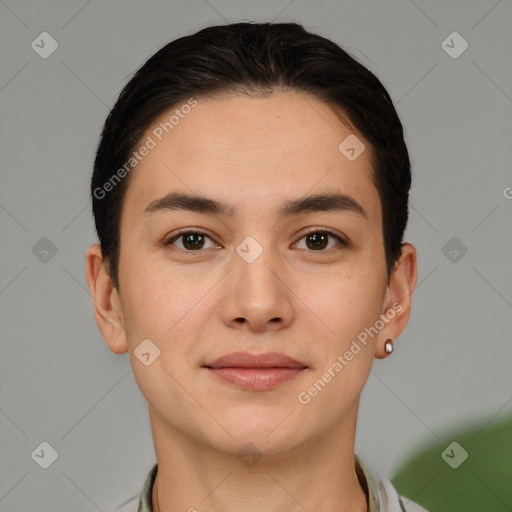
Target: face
point(274, 282)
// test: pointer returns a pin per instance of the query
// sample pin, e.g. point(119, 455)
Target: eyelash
point(329, 231)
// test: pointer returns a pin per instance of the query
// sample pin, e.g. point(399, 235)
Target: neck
point(316, 476)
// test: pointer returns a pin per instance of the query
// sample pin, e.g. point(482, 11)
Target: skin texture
point(253, 153)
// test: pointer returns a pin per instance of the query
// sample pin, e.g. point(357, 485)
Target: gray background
point(59, 381)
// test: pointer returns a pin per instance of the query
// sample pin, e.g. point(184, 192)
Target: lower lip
point(256, 379)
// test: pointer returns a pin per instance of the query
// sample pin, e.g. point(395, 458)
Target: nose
point(256, 294)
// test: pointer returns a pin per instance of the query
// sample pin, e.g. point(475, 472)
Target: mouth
point(255, 372)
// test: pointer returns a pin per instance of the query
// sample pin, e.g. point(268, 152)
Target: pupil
point(189, 241)
point(319, 240)
point(314, 241)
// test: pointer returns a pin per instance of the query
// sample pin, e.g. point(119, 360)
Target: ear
point(398, 298)
point(106, 302)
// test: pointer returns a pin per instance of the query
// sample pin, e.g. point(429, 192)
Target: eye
point(190, 240)
point(318, 239)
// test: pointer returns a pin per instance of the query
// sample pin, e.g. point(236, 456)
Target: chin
point(268, 432)
point(256, 445)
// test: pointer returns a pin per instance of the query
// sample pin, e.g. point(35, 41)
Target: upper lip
point(248, 360)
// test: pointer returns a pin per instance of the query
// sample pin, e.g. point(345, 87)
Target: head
point(252, 120)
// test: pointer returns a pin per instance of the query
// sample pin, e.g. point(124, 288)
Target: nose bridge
point(256, 293)
point(255, 261)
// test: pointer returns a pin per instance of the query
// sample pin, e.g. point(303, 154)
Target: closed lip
point(248, 360)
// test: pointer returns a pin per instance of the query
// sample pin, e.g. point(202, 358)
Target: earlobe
point(106, 303)
point(398, 300)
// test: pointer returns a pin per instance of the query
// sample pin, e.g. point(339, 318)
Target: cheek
point(155, 296)
point(169, 308)
point(345, 303)
point(346, 353)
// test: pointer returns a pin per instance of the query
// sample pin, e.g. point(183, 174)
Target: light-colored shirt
point(381, 498)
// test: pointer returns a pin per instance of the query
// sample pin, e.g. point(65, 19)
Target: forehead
point(249, 151)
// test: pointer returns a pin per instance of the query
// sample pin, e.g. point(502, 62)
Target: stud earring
point(388, 346)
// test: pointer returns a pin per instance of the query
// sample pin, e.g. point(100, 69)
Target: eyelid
point(323, 229)
point(313, 229)
point(170, 239)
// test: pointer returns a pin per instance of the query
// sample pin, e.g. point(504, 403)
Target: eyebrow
point(314, 203)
